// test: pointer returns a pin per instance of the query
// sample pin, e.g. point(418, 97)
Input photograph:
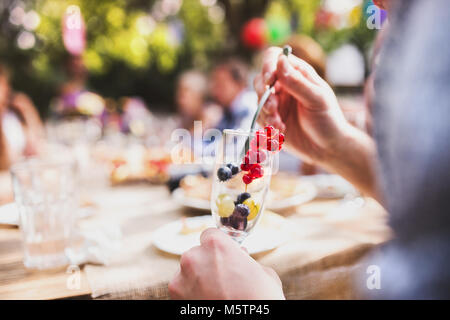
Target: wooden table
point(310, 265)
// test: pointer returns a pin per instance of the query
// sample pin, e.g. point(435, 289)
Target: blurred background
point(139, 47)
point(92, 94)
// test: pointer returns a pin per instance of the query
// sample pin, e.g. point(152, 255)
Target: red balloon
point(254, 33)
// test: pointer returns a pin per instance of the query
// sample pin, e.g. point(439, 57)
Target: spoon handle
point(287, 50)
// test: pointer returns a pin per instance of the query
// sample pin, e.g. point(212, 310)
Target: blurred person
point(75, 100)
point(229, 88)
point(20, 125)
point(192, 90)
point(71, 89)
point(406, 167)
point(135, 117)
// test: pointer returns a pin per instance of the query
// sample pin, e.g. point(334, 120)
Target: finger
point(261, 118)
point(270, 114)
point(271, 106)
point(213, 237)
point(275, 120)
point(269, 66)
point(294, 82)
point(273, 274)
point(306, 69)
point(190, 261)
point(259, 85)
point(176, 286)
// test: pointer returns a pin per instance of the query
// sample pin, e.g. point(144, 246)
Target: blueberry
point(242, 197)
point(238, 223)
point(234, 169)
point(241, 210)
point(225, 221)
point(224, 173)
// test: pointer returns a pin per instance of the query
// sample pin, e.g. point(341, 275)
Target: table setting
point(126, 239)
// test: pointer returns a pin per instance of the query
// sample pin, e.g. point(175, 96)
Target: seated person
point(229, 88)
point(20, 125)
point(406, 167)
point(192, 89)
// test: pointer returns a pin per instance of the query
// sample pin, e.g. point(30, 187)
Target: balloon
point(253, 33)
point(355, 16)
point(74, 31)
point(278, 30)
point(324, 19)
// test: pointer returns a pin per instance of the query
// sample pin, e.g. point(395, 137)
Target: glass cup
point(44, 195)
point(236, 206)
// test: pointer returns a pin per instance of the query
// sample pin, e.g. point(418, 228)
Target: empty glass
point(44, 195)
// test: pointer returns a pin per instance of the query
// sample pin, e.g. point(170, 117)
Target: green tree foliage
point(133, 50)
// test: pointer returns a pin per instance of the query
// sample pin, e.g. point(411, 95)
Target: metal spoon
point(287, 50)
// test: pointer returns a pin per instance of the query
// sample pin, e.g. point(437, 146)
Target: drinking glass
point(227, 197)
point(44, 195)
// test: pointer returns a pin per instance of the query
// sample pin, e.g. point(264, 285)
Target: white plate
point(267, 235)
point(9, 214)
point(190, 202)
point(309, 192)
point(330, 186)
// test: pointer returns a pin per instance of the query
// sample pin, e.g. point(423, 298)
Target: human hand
point(220, 269)
point(303, 106)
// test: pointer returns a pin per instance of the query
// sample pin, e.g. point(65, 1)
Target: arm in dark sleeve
point(412, 129)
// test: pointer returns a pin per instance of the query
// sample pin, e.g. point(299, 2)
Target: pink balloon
point(74, 31)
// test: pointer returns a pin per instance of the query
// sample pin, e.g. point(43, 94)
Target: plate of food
point(285, 191)
point(181, 235)
point(330, 186)
point(136, 163)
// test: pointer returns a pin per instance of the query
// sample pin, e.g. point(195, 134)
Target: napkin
point(9, 214)
point(95, 245)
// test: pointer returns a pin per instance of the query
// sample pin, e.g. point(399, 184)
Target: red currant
point(254, 144)
point(270, 131)
point(251, 155)
point(258, 141)
point(272, 145)
point(281, 138)
point(261, 156)
point(256, 171)
point(245, 167)
point(247, 179)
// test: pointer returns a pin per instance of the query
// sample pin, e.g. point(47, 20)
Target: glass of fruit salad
point(241, 179)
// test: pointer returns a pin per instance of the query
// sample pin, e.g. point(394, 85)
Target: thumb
point(273, 274)
point(294, 82)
